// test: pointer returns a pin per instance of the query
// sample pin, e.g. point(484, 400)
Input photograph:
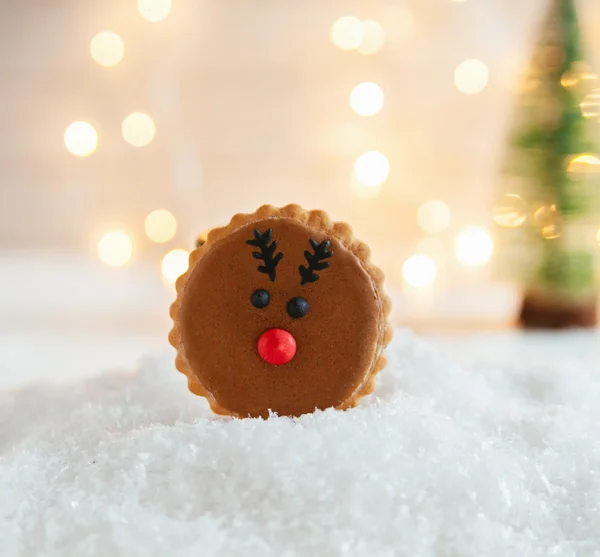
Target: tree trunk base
point(545, 313)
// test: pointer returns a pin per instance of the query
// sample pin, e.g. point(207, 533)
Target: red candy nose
point(276, 346)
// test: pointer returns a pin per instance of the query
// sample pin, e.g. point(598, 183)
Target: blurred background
point(132, 126)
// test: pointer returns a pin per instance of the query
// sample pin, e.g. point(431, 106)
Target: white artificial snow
point(490, 459)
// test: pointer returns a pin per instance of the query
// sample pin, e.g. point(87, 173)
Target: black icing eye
point(297, 307)
point(260, 299)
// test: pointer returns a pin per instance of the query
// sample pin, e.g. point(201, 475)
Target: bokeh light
point(81, 138)
point(107, 48)
point(586, 159)
point(569, 80)
point(154, 10)
point(373, 38)
point(371, 168)
point(160, 226)
point(366, 99)
point(174, 264)
point(550, 232)
point(510, 211)
point(138, 129)
point(579, 75)
point(590, 106)
point(474, 246)
point(347, 32)
point(583, 164)
point(471, 76)
point(547, 221)
point(433, 216)
point(115, 248)
point(589, 76)
point(419, 271)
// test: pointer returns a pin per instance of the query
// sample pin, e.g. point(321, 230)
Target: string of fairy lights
point(115, 248)
point(473, 244)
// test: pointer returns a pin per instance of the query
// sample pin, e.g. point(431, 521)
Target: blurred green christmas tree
point(550, 189)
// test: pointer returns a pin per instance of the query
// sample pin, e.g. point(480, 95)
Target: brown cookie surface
point(280, 276)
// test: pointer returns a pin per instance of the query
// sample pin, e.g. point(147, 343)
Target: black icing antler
point(315, 261)
point(266, 253)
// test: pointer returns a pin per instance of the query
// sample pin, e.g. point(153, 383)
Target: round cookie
point(280, 311)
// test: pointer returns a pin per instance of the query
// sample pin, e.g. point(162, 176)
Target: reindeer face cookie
point(280, 311)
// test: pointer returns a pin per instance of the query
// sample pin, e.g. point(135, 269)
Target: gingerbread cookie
point(280, 311)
